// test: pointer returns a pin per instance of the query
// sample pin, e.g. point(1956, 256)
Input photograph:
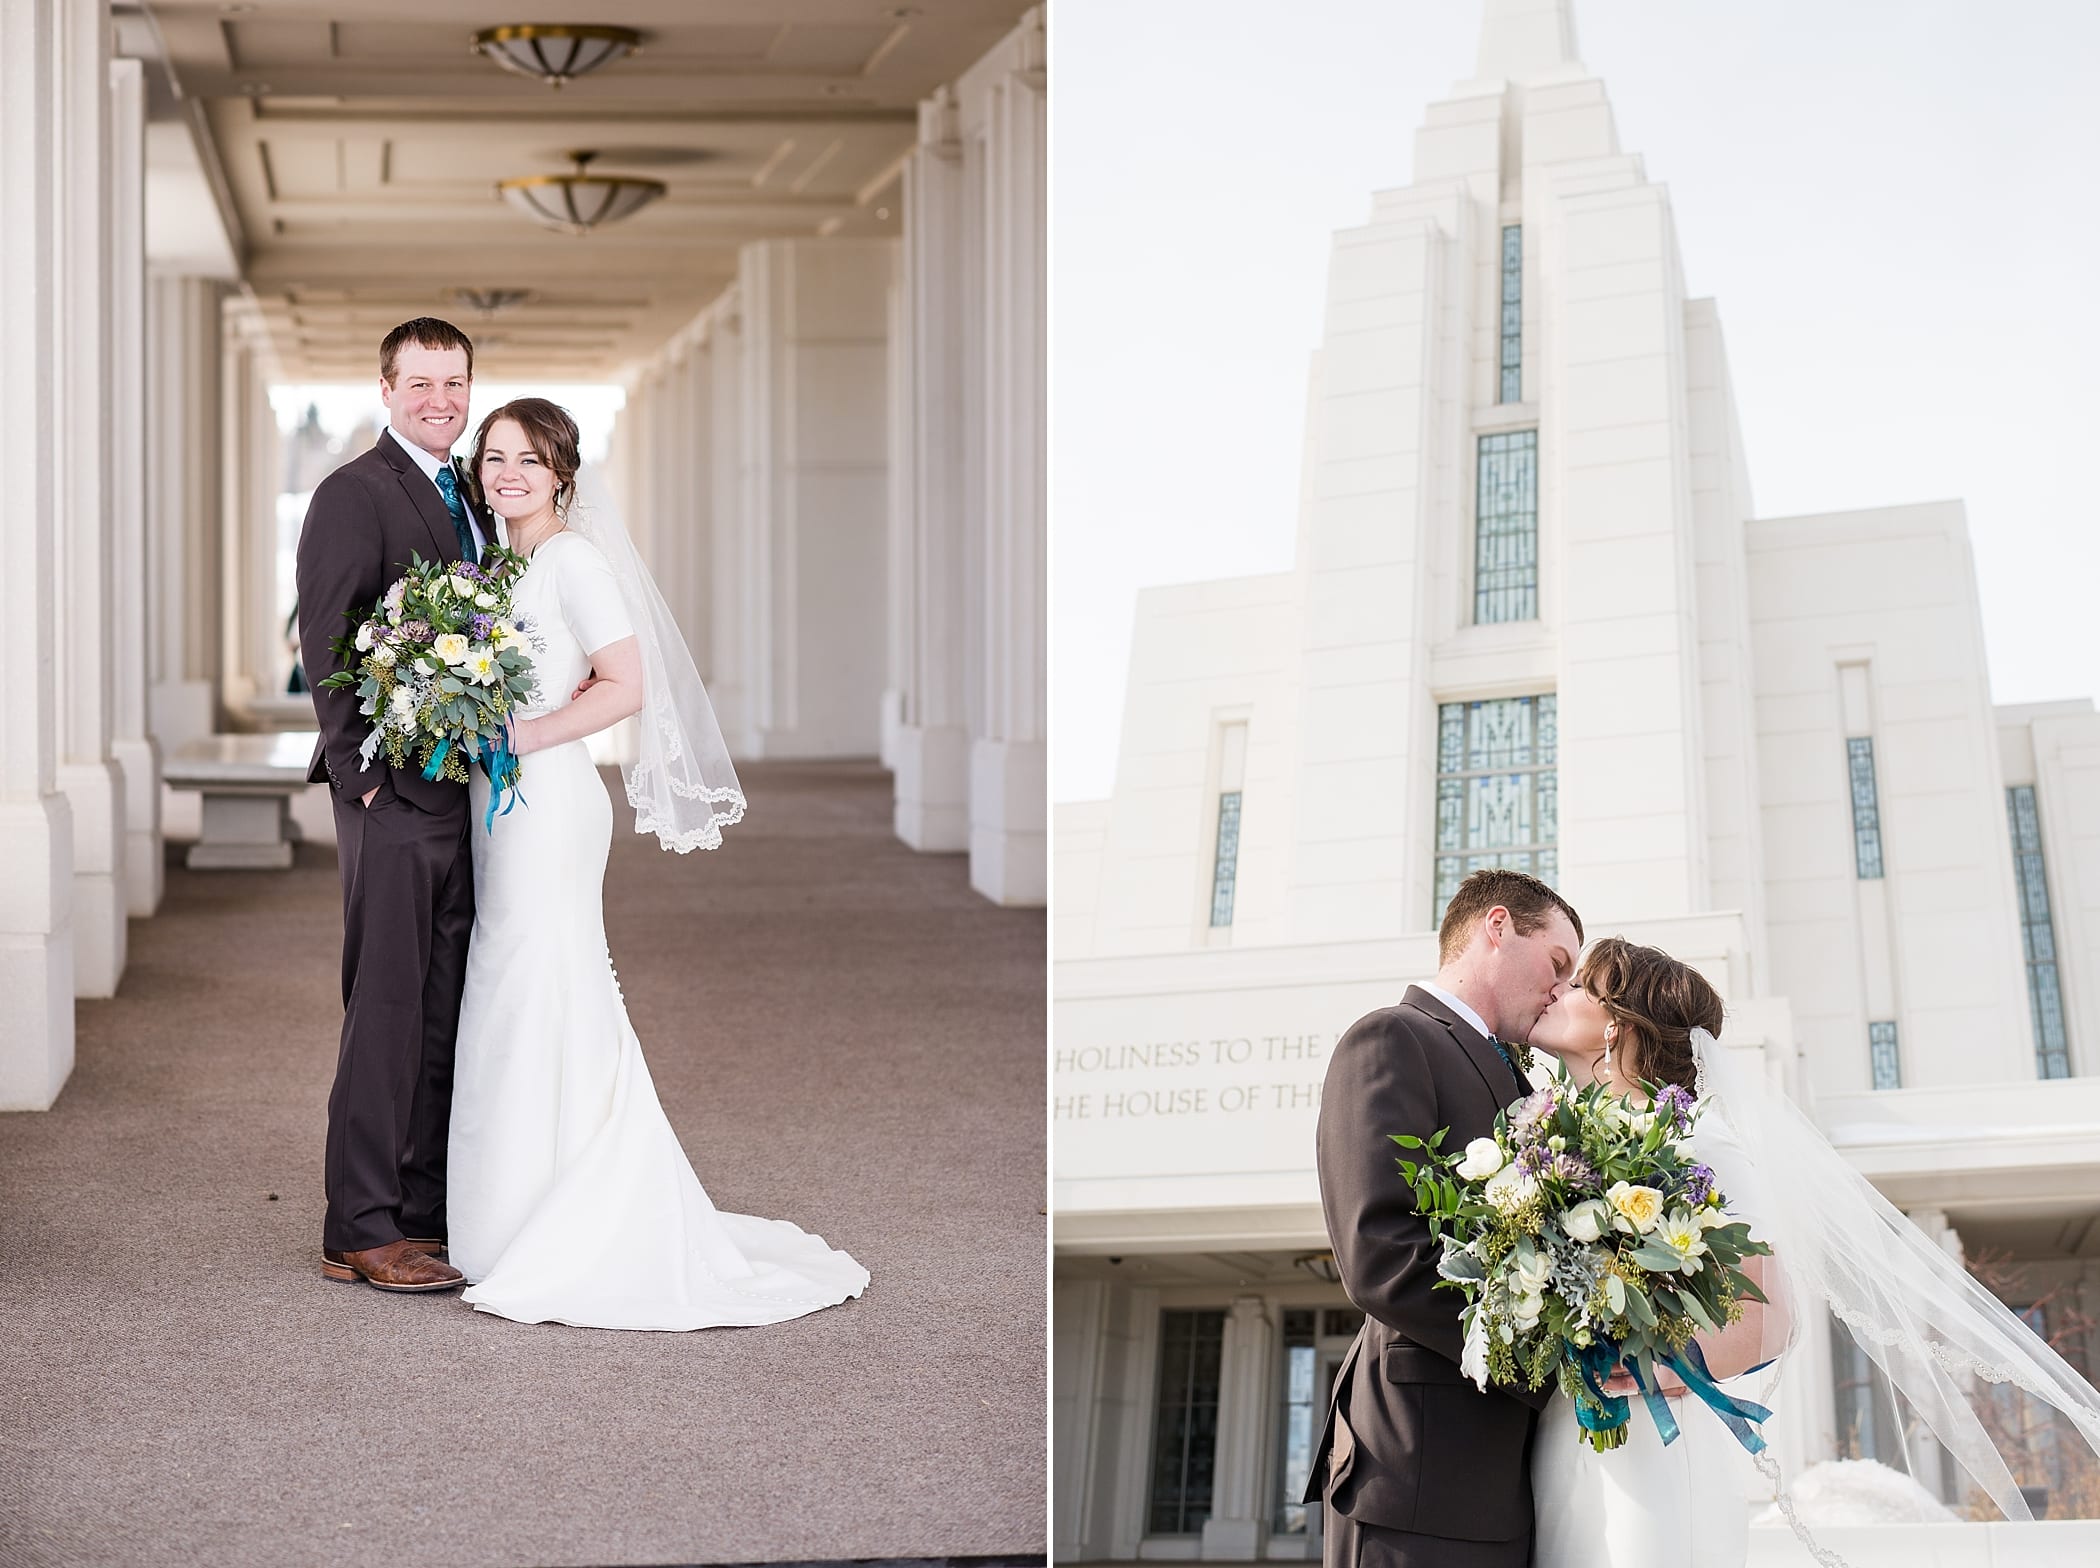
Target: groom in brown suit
point(1418, 1467)
point(401, 839)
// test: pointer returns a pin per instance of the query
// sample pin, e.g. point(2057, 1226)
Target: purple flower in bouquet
point(416, 631)
point(1677, 1105)
point(484, 627)
point(1576, 1171)
point(1699, 1185)
point(470, 572)
point(1534, 1159)
point(1538, 1105)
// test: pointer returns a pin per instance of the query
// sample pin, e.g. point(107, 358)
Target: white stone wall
point(1934, 944)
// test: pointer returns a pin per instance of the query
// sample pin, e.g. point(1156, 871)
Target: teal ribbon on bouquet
point(1597, 1361)
point(498, 762)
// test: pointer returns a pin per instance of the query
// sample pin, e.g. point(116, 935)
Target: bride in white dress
point(569, 1197)
point(1628, 1018)
point(1840, 1249)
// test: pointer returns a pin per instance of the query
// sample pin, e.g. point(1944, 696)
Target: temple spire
point(1521, 38)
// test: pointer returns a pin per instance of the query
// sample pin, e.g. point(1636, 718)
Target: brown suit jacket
point(361, 527)
point(1410, 1444)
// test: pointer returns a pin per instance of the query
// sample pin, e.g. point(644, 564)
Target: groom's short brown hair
point(423, 332)
point(1529, 901)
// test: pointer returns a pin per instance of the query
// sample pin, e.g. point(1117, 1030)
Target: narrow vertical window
point(1881, 1046)
point(1512, 359)
point(1506, 528)
point(1866, 807)
point(1225, 858)
point(1226, 873)
point(1303, 1405)
point(1867, 1424)
point(1185, 1429)
point(2045, 998)
point(1497, 790)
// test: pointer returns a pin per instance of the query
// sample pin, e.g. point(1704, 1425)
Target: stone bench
point(247, 783)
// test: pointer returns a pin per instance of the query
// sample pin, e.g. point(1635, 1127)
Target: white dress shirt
point(430, 466)
point(1457, 1007)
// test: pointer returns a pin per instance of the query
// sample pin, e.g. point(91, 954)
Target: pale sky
point(1891, 201)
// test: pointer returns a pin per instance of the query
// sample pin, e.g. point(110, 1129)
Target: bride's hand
point(521, 736)
point(1622, 1383)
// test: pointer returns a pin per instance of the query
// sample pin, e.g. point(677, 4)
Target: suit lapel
point(423, 496)
point(1486, 1060)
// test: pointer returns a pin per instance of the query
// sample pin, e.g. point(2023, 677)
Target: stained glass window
point(1225, 873)
point(1881, 1046)
point(1185, 1435)
point(1512, 388)
point(1866, 807)
point(1497, 790)
point(1506, 528)
point(2045, 998)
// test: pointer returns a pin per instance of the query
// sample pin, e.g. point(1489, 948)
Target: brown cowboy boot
point(399, 1265)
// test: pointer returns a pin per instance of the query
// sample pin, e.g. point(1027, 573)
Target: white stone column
point(253, 631)
point(930, 745)
point(36, 826)
point(183, 509)
point(1238, 1526)
point(729, 666)
point(132, 746)
point(691, 600)
point(1009, 760)
point(80, 384)
point(815, 372)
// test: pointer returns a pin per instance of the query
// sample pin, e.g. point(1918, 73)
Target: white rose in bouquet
point(1509, 1189)
point(1483, 1158)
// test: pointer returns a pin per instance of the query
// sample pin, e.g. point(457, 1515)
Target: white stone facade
point(1712, 673)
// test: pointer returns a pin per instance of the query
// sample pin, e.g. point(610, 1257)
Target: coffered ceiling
point(359, 143)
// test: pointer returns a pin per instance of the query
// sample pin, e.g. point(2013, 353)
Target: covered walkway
point(844, 1035)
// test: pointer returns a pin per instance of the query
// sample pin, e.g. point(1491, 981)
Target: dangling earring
point(1611, 1033)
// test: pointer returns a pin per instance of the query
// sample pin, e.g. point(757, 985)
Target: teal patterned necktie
point(448, 487)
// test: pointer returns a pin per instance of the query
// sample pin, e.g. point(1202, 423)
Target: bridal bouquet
point(1586, 1236)
point(438, 665)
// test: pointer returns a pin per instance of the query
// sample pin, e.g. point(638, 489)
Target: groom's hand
point(370, 793)
point(588, 682)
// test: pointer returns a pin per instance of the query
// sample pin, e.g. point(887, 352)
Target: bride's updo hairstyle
point(1657, 1001)
point(552, 435)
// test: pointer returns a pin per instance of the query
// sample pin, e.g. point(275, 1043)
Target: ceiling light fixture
point(489, 301)
point(555, 52)
point(580, 202)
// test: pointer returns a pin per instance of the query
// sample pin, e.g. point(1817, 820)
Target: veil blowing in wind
point(1945, 1343)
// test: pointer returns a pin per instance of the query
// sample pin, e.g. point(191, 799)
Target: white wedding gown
point(569, 1197)
point(1646, 1505)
